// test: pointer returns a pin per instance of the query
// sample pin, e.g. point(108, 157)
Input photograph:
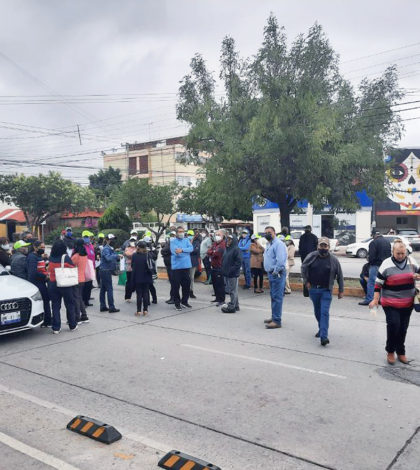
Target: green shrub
point(115, 217)
point(55, 234)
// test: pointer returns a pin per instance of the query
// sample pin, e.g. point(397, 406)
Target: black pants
point(80, 305)
point(207, 266)
point(128, 287)
point(46, 300)
point(397, 321)
point(218, 284)
point(152, 290)
point(170, 277)
point(258, 273)
point(142, 292)
point(87, 290)
point(181, 278)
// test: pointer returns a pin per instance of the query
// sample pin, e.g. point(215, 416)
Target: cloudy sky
point(57, 56)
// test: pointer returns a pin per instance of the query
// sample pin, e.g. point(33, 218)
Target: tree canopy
point(290, 127)
point(141, 198)
point(114, 217)
point(42, 196)
point(104, 182)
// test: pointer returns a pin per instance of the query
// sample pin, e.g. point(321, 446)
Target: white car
point(361, 249)
point(21, 305)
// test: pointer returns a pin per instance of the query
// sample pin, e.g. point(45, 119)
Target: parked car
point(21, 306)
point(361, 249)
point(296, 234)
point(411, 235)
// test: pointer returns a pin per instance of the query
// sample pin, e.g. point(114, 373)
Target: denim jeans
point(321, 298)
point(231, 288)
point(56, 295)
point(106, 286)
point(277, 284)
point(246, 267)
point(373, 271)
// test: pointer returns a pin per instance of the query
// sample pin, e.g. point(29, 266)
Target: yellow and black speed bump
point(94, 429)
point(176, 460)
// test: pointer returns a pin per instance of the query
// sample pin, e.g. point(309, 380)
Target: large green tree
point(42, 196)
point(290, 127)
point(142, 199)
point(103, 183)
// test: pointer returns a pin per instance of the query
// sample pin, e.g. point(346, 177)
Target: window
point(186, 180)
point(402, 220)
point(132, 165)
point(144, 164)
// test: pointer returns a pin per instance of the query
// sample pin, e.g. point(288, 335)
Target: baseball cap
point(20, 244)
point(173, 233)
point(190, 232)
point(110, 236)
point(147, 239)
point(101, 235)
point(69, 229)
point(253, 236)
point(87, 233)
point(324, 240)
point(133, 231)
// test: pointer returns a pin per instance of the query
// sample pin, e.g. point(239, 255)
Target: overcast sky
point(138, 50)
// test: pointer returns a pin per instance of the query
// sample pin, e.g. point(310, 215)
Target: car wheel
point(361, 253)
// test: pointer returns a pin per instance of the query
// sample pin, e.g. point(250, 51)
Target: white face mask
point(204, 235)
point(6, 247)
point(218, 238)
point(180, 235)
point(132, 244)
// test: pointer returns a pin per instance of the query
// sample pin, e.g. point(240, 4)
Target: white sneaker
point(75, 328)
point(128, 301)
point(56, 332)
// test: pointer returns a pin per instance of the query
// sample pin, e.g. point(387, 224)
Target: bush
point(55, 234)
point(115, 217)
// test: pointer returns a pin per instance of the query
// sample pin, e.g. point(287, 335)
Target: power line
point(381, 53)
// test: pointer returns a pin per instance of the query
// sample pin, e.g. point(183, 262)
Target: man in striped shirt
point(395, 283)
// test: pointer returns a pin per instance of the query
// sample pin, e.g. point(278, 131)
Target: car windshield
point(367, 240)
point(408, 232)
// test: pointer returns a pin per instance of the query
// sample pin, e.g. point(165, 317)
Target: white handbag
point(66, 277)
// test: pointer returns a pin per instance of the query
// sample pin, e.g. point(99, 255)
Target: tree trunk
point(284, 213)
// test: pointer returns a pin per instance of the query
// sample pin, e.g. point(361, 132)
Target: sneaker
point(114, 310)
point(186, 305)
point(56, 332)
point(128, 301)
point(192, 296)
point(84, 320)
point(45, 325)
point(154, 301)
point(219, 304)
point(178, 308)
point(228, 309)
point(325, 341)
point(170, 301)
point(104, 309)
point(317, 335)
point(75, 328)
point(237, 309)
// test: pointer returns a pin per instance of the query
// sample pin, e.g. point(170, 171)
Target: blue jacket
point(245, 247)
point(275, 257)
point(181, 260)
point(108, 259)
point(34, 275)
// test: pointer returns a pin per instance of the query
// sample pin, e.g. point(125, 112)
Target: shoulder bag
point(66, 277)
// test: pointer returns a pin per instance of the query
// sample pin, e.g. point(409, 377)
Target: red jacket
point(215, 253)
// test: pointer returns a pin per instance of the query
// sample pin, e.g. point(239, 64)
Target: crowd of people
point(388, 277)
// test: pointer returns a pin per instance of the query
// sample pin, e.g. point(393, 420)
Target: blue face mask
point(86, 239)
point(190, 237)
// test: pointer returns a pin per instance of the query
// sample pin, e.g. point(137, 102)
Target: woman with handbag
point(80, 260)
point(141, 277)
point(257, 260)
point(395, 284)
point(60, 261)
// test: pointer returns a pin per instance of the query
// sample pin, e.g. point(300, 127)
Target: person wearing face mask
point(181, 263)
point(90, 267)
point(204, 247)
point(195, 240)
point(133, 235)
point(231, 268)
point(128, 255)
point(245, 247)
point(38, 275)
point(319, 271)
point(166, 255)
point(18, 266)
point(4, 252)
point(308, 243)
point(108, 266)
point(215, 253)
point(275, 259)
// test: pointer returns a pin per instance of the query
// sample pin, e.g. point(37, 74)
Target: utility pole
point(78, 131)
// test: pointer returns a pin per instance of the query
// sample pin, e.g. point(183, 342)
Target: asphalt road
point(219, 387)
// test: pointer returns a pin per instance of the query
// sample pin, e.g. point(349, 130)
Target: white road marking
point(147, 442)
point(266, 361)
point(36, 454)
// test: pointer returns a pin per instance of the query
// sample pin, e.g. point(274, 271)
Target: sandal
point(137, 314)
point(145, 312)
